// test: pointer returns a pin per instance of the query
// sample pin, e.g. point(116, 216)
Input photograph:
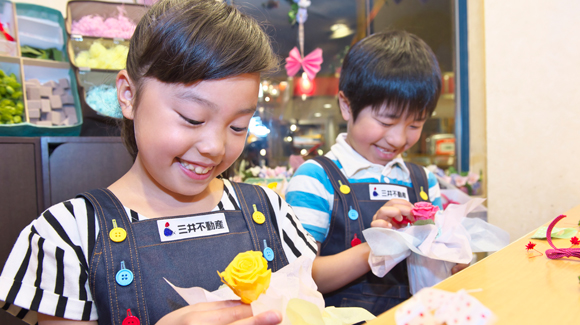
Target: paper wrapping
point(293, 292)
point(435, 307)
point(432, 250)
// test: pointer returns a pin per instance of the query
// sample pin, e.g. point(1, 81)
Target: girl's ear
point(126, 92)
point(344, 105)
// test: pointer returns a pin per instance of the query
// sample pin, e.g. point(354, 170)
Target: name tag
point(191, 227)
point(385, 192)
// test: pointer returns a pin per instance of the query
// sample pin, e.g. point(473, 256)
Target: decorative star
point(575, 241)
point(530, 246)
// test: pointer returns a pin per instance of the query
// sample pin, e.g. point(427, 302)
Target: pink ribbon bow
point(559, 252)
point(310, 63)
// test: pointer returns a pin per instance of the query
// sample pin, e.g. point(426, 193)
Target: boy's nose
point(397, 137)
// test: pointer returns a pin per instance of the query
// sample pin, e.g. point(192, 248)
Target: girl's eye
point(190, 121)
point(237, 129)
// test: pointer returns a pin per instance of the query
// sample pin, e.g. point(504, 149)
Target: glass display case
point(298, 117)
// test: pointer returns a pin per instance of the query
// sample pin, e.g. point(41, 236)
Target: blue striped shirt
point(311, 194)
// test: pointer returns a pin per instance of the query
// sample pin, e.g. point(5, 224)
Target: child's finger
point(208, 306)
point(380, 223)
point(388, 213)
point(226, 315)
point(406, 210)
point(270, 317)
point(400, 202)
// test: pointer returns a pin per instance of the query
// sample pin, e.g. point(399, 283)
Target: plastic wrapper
point(432, 250)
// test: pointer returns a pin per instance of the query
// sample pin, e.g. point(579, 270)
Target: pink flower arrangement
point(424, 213)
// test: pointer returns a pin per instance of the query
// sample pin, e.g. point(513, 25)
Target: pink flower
point(424, 211)
point(472, 178)
point(459, 180)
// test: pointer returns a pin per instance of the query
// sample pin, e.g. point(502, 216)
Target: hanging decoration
point(310, 63)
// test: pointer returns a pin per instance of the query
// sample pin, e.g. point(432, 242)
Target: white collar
point(352, 161)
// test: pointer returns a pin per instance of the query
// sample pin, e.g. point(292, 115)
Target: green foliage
point(36, 53)
point(11, 105)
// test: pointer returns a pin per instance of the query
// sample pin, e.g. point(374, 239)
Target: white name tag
point(191, 227)
point(386, 192)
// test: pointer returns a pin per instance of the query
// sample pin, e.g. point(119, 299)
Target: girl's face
point(189, 134)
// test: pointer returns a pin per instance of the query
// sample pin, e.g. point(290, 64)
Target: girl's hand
point(220, 313)
point(395, 210)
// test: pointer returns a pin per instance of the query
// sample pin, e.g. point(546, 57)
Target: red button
point(130, 319)
point(355, 241)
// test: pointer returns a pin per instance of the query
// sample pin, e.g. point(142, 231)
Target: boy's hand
point(395, 210)
point(458, 267)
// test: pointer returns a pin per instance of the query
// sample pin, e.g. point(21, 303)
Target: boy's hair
point(391, 69)
point(185, 41)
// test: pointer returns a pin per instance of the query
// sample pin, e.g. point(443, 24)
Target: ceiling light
point(340, 31)
point(317, 115)
point(327, 105)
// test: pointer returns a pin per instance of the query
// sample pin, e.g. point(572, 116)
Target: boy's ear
point(344, 105)
point(125, 94)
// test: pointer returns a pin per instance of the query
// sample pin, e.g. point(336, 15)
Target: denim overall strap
point(419, 179)
point(248, 196)
point(112, 254)
point(347, 202)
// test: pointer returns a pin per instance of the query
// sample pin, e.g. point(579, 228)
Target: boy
point(389, 85)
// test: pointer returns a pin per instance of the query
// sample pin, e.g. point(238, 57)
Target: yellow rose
point(247, 275)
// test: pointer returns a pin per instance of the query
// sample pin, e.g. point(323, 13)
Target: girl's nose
point(212, 144)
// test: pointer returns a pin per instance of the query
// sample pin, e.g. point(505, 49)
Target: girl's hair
point(185, 41)
point(393, 69)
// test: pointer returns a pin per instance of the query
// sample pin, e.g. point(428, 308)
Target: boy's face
point(189, 134)
point(380, 136)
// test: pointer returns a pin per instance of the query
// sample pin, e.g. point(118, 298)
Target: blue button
point(124, 277)
point(268, 252)
point(352, 214)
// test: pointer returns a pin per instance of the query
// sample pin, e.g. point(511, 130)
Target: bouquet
point(291, 290)
point(433, 249)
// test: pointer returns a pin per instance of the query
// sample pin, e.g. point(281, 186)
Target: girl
point(188, 94)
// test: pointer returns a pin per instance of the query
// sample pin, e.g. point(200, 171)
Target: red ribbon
point(559, 252)
point(8, 37)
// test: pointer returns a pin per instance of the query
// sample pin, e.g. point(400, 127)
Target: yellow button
point(117, 234)
point(423, 195)
point(258, 216)
point(344, 189)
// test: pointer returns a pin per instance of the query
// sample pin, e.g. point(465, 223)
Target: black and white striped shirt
point(46, 271)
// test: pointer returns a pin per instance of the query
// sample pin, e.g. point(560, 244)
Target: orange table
point(519, 289)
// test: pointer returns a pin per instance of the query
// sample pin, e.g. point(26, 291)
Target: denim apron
point(375, 294)
point(191, 262)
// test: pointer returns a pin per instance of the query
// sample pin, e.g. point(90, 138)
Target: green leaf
point(30, 50)
point(423, 222)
